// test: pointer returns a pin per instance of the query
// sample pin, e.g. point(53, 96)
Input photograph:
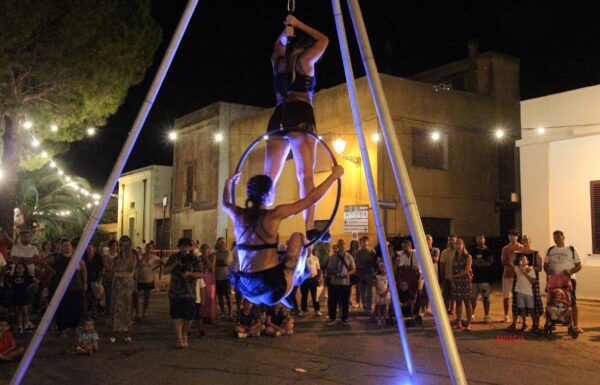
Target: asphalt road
point(359, 353)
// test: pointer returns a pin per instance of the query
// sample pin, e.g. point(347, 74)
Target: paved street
point(360, 353)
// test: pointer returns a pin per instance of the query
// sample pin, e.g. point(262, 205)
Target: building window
point(429, 153)
point(595, 199)
point(189, 184)
point(132, 205)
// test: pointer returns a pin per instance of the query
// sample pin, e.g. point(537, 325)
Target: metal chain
point(291, 6)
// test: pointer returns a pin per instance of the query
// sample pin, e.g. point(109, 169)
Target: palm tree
point(52, 207)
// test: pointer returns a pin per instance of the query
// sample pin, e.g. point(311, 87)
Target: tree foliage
point(71, 63)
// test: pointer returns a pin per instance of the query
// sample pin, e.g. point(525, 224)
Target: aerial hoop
point(331, 156)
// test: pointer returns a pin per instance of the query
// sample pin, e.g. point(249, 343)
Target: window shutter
point(595, 199)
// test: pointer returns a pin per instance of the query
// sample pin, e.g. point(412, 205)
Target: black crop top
point(294, 81)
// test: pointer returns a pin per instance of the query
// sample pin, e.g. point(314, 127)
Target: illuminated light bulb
point(68, 178)
point(52, 164)
point(218, 137)
point(96, 203)
point(173, 135)
point(96, 196)
point(89, 205)
point(54, 128)
point(435, 136)
point(91, 131)
point(27, 124)
point(375, 137)
point(266, 137)
point(35, 142)
point(320, 137)
point(499, 134)
point(44, 154)
point(540, 130)
point(60, 172)
point(339, 145)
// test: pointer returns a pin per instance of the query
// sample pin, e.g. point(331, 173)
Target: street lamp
point(339, 145)
point(173, 136)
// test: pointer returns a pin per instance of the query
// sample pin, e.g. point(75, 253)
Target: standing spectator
point(435, 257)
point(145, 272)
point(185, 269)
point(383, 297)
point(209, 304)
point(107, 279)
point(562, 259)
point(279, 321)
point(483, 269)
point(366, 265)
point(339, 267)
point(354, 277)
point(461, 284)
point(20, 282)
point(445, 267)
point(310, 285)
point(321, 250)
point(94, 267)
point(5, 245)
point(123, 269)
point(523, 293)
point(24, 251)
point(223, 260)
point(508, 275)
point(70, 310)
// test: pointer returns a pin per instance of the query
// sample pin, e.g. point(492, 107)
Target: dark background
point(225, 56)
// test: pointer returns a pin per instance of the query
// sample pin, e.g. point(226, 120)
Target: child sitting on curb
point(279, 321)
point(248, 324)
point(88, 338)
point(8, 346)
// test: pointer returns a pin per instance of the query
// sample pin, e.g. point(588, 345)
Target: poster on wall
point(356, 218)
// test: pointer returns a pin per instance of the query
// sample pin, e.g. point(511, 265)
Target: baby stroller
point(411, 276)
point(558, 309)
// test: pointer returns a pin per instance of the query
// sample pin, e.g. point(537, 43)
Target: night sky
point(225, 56)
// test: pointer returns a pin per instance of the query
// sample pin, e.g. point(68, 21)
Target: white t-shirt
point(404, 260)
point(561, 258)
point(25, 251)
point(313, 264)
point(523, 285)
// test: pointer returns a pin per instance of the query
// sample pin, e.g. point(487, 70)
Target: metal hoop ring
point(331, 156)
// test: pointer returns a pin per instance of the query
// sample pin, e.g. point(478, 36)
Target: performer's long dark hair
point(257, 190)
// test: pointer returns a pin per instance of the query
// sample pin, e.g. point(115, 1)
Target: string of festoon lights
point(92, 197)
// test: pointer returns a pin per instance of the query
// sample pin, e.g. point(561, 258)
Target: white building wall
point(556, 169)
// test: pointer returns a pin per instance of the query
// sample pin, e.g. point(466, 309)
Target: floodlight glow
point(540, 130)
point(266, 137)
point(218, 137)
point(89, 205)
point(44, 154)
point(173, 135)
point(60, 172)
point(54, 128)
point(339, 145)
point(35, 142)
point(1, 174)
point(375, 137)
point(91, 131)
point(435, 136)
point(52, 164)
point(96, 203)
point(499, 134)
point(68, 178)
point(27, 124)
point(96, 196)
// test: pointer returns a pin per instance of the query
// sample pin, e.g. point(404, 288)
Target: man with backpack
point(561, 259)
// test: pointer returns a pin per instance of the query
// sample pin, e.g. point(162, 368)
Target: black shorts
point(297, 114)
point(145, 286)
point(20, 299)
point(573, 297)
point(266, 287)
point(223, 287)
point(182, 308)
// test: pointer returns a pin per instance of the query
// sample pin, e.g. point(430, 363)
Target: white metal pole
point(362, 142)
point(453, 361)
point(108, 189)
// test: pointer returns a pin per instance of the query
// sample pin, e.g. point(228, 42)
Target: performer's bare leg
point(304, 149)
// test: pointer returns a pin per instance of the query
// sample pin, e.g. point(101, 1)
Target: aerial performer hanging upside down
point(296, 51)
point(264, 277)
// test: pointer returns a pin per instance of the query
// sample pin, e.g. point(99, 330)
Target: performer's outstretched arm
point(228, 205)
point(312, 54)
point(287, 210)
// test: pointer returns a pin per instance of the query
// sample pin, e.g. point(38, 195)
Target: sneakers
point(506, 319)
point(242, 335)
point(257, 334)
point(487, 319)
point(330, 322)
point(301, 313)
point(345, 322)
point(277, 334)
point(318, 313)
